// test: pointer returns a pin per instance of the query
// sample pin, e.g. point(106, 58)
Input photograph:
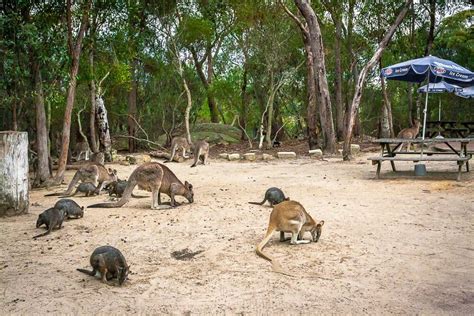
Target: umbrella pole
point(424, 114)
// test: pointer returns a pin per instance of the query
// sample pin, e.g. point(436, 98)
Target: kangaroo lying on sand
point(200, 149)
point(290, 217)
point(158, 179)
point(409, 133)
point(274, 196)
point(179, 142)
point(90, 172)
point(51, 218)
point(110, 263)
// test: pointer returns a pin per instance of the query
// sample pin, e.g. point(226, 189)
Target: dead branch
point(142, 140)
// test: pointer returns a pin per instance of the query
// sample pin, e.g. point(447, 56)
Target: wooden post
point(14, 188)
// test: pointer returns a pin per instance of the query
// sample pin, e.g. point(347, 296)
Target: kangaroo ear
point(109, 170)
point(115, 172)
point(321, 223)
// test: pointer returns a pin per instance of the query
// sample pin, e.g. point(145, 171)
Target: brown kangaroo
point(176, 143)
point(409, 133)
point(158, 179)
point(90, 172)
point(200, 149)
point(290, 217)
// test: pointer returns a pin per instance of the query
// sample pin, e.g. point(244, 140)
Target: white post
point(14, 187)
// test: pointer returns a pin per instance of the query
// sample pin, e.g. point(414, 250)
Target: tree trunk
point(271, 99)
point(75, 52)
point(103, 128)
point(14, 188)
point(42, 170)
point(387, 108)
point(338, 81)
point(132, 108)
point(242, 119)
point(324, 101)
point(346, 151)
point(92, 136)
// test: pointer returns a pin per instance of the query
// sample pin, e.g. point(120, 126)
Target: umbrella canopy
point(466, 92)
point(439, 87)
point(436, 69)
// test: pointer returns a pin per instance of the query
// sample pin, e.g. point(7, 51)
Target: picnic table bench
point(390, 145)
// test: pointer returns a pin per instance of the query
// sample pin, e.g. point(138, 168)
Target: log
point(14, 186)
point(163, 155)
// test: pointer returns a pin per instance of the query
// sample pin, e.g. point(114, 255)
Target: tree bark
point(324, 101)
point(42, 169)
point(14, 188)
point(132, 108)
point(346, 151)
point(338, 81)
point(75, 52)
point(387, 107)
point(103, 128)
point(92, 88)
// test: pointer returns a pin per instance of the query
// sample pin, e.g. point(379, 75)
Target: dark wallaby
point(51, 218)
point(70, 207)
point(274, 196)
point(88, 188)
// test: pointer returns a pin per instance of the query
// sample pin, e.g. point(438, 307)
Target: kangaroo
point(289, 216)
point(157, 178)
point(98, 157)
point(92, 172)
point(87, 188)
point(274, 196)
point(51, 218)
point(82, 148)
point(118, 187)
point(409, 133)
point(200, 149)
point(110, 263)
point(179, 142)
point(70, 207)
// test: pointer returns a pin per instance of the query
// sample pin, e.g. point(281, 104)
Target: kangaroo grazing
point(90, 172)
point(51, 218)
point(157, 178)
point(200, 151)
point(290, 217)
point(409, 133)
point(110, 263)
point(87, 188)
point(70, 207)
point(179, 142)
point(274, 196)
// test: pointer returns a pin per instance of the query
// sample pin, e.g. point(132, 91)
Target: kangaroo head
point(189, 194)
point(417, 123)
point(112, 174)
point(316, 231)
point(122, 274)
point(39, 222)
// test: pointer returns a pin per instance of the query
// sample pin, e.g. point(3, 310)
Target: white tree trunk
point(14, 187)
point(103, 127)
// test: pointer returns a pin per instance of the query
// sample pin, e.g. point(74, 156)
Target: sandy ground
point(398, 245)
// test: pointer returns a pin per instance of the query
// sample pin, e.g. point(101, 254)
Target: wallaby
point(157, 178)
point(110, 263)
point(82, 148)
point(200, 149)
point(409, 133)
point(179, 142)
point(118, 187)
point(291, 217)
point(51, 218)
point(70, 207)
point(90, 172)
point(87, 188)
point(274, 196)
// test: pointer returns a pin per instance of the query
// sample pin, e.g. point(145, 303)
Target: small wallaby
point(176, 143)
point(200, 151)
point(82, 148)
point(87, 188)
point(274, 196)
point(157, 178)
point(409, 133)
point(90, 172)
point(51, 218)
point(118, 187)
point(70, 207)
point(110, 263)
point(289, 217)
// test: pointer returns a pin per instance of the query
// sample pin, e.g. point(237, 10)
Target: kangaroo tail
point(60, 194)
point(139, 196)
point(73, 182)
point(276, 267)
point(45, 233)
point(257, 203)
point(125, 197)
point(91, 273)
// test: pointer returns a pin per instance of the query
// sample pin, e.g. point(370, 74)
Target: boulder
point(355, 149)
point(286, 154)
point(223, 156)
point(250, 156)
point(138, 159)
point(316, 153)
point(232, 157)
point(267, 157)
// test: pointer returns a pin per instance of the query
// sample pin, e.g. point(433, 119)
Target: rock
point(138, 159)
point(124, 163)
point(250, 156)
point(113, 154)
point(223, 156)
point(233, 157)
point(286, 154)
point(131, 160)
point(267, 157)
point(119, 158)
point(316, 153)
point(355, 149)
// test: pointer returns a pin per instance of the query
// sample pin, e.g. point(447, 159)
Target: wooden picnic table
point(389, 152)
point(449, 128)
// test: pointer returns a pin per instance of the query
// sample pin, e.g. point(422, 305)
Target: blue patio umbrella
point(466, 92)
point(432, 69)
point(439, 87)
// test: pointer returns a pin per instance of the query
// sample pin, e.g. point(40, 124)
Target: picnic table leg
point(379, 165)
point(464, 150)
point(460, 163)
point(389, 150)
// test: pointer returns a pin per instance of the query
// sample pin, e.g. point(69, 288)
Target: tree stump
point(14, 189)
